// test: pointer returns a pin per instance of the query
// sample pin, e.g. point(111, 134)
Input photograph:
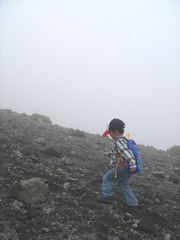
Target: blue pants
point(122, 180)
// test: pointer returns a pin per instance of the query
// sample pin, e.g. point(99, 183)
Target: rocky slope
point(50, 178)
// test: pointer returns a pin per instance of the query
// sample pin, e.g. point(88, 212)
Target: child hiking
point(123, 165)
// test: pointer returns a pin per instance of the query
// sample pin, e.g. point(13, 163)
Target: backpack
point(132, 146)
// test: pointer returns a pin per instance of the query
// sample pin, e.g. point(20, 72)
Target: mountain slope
point(70, 164)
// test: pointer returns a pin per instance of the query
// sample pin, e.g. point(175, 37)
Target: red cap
point(105, 133)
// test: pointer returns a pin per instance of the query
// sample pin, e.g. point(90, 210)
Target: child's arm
point(126, 154)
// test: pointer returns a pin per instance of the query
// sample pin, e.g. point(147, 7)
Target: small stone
point(72, 179)
point(73, 153)
point(67, 161)
point(46, 211)
point(167, 237)
point(41, 140)
point(127, 216)
point(157, 201)
point(46, 230)
point(66, 186)
point(17, 205)
point(18, 154)
point(159, 174)
point(57, 226)
point(135, 225)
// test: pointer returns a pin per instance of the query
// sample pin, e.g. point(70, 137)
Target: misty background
point(83, 63)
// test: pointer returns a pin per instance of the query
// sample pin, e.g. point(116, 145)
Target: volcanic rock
point(30, 191)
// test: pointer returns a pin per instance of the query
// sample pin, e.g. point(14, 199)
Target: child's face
point(114, 134)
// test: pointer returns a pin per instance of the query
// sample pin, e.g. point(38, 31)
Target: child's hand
point(108, 154)
point(132, 166)
point(132, 169)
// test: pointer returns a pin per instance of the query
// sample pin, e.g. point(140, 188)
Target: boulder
point(30, 191)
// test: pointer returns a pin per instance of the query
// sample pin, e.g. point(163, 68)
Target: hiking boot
point(106, 200)
point(132, 209)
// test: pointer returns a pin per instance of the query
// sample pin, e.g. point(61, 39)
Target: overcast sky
point(83, 63)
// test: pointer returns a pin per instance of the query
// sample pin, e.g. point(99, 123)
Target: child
point(119, 172)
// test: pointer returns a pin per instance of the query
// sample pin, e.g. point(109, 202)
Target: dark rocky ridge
point(71, 163)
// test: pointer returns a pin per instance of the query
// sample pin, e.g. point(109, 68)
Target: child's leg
point(127, 192)
point(108, 180)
